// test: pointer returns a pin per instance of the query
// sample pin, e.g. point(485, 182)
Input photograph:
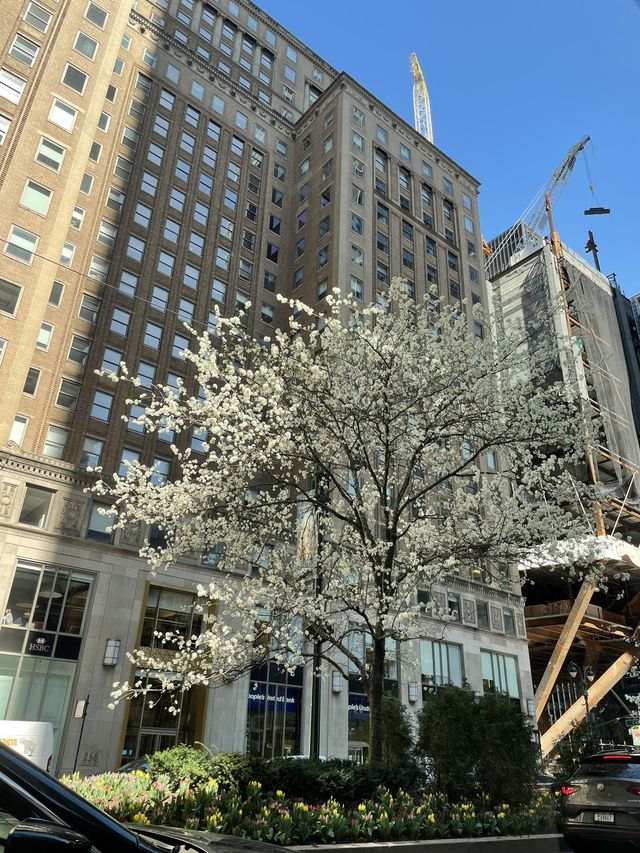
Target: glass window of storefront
point(40, 638)
point(274, 711)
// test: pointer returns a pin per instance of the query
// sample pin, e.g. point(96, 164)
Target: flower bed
point(275, 817)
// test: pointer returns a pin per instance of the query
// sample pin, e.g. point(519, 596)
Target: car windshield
point(612, 769)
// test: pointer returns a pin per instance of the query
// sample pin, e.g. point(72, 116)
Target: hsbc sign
point(40, 644)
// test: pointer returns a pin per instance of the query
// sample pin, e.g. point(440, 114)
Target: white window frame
point(12, 86)
point(69, 125)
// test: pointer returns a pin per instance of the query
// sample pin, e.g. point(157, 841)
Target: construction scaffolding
point(572, 313)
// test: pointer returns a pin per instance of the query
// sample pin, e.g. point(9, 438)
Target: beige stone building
point(156, 161)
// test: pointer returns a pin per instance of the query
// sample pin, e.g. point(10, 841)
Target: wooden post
point(576, 713)
point(562, 647)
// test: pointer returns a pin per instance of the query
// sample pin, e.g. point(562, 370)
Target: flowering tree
point(346, 464)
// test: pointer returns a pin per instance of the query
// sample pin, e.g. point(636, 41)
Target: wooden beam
point(577, 712)
point(567, 635)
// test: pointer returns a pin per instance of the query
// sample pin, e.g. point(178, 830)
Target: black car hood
point(211, 840)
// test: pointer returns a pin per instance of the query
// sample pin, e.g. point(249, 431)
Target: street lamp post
point(584, 676)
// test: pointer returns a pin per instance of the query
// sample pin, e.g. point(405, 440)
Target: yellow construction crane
point(421, 105)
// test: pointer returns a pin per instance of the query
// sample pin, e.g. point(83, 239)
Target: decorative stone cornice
point(15, 460)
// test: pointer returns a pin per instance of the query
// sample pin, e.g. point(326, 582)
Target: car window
point(612, 769)
point(14, 808)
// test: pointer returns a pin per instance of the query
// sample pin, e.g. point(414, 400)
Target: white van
point(31, 739)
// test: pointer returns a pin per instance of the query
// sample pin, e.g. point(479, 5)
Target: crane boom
point(421, 104)
point(533, 220)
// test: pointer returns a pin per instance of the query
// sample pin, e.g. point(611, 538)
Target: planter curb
point(547, 843)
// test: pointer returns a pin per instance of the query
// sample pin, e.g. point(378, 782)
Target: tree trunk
point(376, 689)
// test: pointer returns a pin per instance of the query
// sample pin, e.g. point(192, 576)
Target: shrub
point(397, 731)
point(449, 738)
point(479, 745)
point(508, 758)
point(196, 766)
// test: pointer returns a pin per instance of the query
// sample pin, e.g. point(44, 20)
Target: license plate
point(603, 817)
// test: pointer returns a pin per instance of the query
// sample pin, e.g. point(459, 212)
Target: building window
point(67, 253)
point(89, 308)
point(499, 674)
point(96, 15)
point(357, 224)
point(85, 45)
point(453, 605)
point(357, 287)
point(21, 244)
point(5, 124)
point(75, 79)
point(37, 17)
point(146, 374)
point(135, 422)
point(18, 429)
point(357, 255)
point(129, 458)
point(44, 336)
point(180, 344)
point(509, 621)
point(219, 291)
point(115, 199)
point(99, 268)
point(79, 350)
point(152, 335)
point(91, 452)
point(382, 242)
point(166, 263)
point(55, 297)
point(107, 234)
point(382, 213)
point(24, 50)
point(68, 395)
point(135, 248)
point(101, 408)
point(111, 360)
point(440, 664)
point(408, 259)
point(11, 86)
point(97, 527)
point(35, 506)
point(120, 321)
point(50, 154)
point(9, 297)
point(482, 613)
point(55, 442)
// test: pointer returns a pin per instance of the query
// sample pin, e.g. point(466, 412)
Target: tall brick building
point(157, 161)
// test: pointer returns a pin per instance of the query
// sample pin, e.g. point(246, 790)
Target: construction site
point(582, 635)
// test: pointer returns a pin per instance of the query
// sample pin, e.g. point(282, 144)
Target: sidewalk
point(550, 843)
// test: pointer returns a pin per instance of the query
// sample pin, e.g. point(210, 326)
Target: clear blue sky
point(512, 85)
